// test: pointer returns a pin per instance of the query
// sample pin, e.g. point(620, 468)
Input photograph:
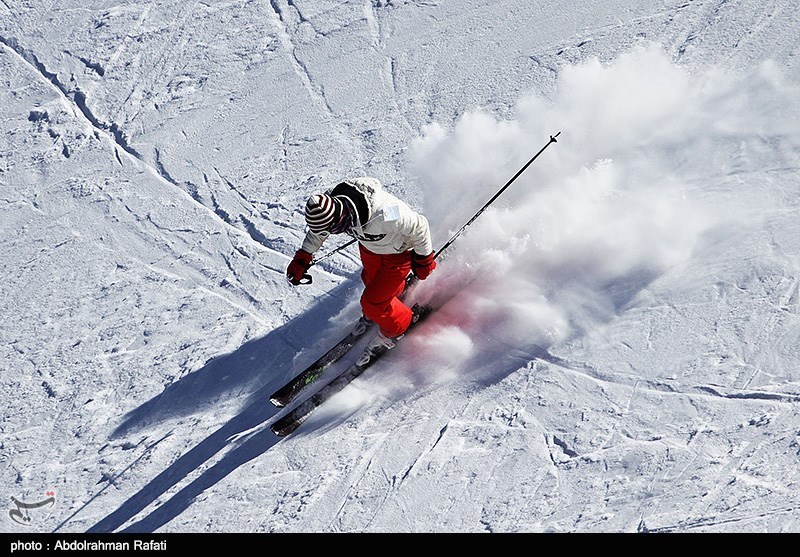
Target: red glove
point(422, 265)
point(298, 267)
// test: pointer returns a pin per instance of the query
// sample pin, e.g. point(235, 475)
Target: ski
point(290, 390)
point(286, 394)
point(292, 420)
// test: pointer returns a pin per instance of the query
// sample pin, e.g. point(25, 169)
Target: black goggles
point(344, 222)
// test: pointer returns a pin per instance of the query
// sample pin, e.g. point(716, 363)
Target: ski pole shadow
point(254, 447)
point(259, 367)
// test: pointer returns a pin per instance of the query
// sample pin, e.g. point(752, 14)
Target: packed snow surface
point(616, 341)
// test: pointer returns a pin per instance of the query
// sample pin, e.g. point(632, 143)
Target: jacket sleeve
point(313, 241)
point(417, 232)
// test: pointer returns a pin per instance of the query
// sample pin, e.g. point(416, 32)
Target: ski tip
point(285, 430)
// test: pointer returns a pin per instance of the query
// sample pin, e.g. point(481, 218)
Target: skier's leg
point(385, 279)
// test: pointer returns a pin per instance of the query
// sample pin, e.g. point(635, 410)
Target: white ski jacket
point(385, 224)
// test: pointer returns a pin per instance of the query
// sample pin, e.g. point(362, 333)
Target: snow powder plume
point(625, 195)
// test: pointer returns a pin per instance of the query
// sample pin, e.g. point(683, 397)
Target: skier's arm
point(419, 239)
point(313, 241)
point(417, 233)
point(296, 272)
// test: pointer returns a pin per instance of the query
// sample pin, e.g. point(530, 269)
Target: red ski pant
point(384, 279)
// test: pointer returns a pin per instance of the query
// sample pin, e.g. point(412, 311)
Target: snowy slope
point(617, 344)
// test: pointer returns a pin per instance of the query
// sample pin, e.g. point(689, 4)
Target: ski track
point(302, 71)
point(360, 470)
point(670, 388)
point(347, 495)
point(77, 100)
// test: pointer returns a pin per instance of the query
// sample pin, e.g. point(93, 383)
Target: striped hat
point(322, 211)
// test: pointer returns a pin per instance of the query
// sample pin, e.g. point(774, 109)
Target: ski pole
point(492, 200)
point(337, 250)
point(307, 278)
point(412, 279)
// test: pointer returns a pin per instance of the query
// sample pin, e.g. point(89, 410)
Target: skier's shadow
point(259, 366)
point(253, 368)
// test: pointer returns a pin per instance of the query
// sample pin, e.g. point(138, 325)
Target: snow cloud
point(625, 195)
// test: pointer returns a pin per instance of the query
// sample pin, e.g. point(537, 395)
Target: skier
point(393, 241)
